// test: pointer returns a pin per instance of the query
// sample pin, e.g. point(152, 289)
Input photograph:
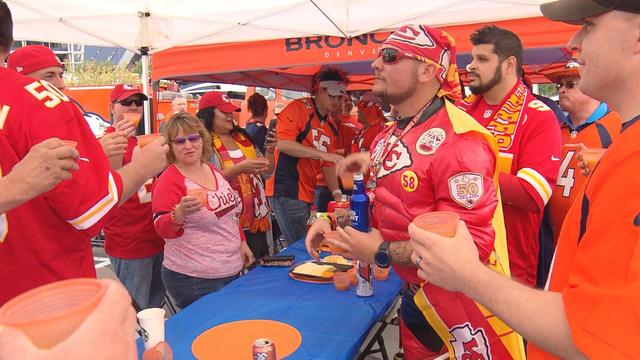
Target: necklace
point(381, 156)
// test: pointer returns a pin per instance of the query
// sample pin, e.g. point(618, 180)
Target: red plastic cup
point(440, 222)
point(51, 313)
point(341, 280)
point(201, 194)
point(133, 118)
point(144, 140)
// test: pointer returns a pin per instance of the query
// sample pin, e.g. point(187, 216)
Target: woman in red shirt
point(204, 247)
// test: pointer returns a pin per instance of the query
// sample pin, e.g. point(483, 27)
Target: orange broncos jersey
point(599, 134)
point(596, 266)
point(294, 177)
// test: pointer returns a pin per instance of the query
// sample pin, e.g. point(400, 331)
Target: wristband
point(174, 220)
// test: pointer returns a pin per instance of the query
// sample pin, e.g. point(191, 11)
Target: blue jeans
point(321, 198)
point(186, 289)
point(141, 277)
point(292, 216)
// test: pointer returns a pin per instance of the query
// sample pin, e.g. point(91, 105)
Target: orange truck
point(96, 99)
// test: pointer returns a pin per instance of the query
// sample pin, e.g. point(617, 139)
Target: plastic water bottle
point(359, 206)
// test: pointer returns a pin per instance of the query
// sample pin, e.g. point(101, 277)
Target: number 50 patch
point(466, 188)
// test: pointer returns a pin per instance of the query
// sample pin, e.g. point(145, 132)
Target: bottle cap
point(358, 176)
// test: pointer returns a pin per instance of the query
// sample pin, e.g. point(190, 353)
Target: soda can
point(365, 286)
point(264, 349)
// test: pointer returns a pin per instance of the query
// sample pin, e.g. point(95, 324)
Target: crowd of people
point(187, 212)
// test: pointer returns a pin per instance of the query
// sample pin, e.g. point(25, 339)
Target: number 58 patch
point(466, 188)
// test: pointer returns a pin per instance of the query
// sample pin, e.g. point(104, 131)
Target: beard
point(483, 88)
point(398, 98)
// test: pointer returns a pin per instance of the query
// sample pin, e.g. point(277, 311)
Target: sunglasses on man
point(193, 139)
point(391, 56)
point(128, 102)
point(569, 85)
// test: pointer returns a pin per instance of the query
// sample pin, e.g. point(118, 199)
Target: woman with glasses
point(242, 165)
point(196, 211)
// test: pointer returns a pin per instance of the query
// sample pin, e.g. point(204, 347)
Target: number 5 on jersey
point(320, 141)
point(42, 90)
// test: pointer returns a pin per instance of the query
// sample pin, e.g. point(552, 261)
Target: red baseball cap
point(123, 91)
point(218, 99)
point(31, 58)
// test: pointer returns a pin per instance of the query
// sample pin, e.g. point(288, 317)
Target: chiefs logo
point(225, 98)
point(430, 141)
point(223, 202)
point(129, 87)
point(397, 158)
point(414, 36)
point(469, 343)
point(466, 188)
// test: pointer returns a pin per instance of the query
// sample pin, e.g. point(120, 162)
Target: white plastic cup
point(152, 322)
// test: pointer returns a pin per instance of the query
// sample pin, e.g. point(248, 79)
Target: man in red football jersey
point(48, 238)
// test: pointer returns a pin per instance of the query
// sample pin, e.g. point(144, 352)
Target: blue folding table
point(333, 324)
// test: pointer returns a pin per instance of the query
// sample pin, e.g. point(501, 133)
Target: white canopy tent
point(148, 26)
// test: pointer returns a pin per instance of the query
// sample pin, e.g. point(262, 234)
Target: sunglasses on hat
point(138, 102)
point(193, 138)
point(569, 85)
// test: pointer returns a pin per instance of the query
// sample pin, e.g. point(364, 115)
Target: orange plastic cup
point(201, 194)
point(71, 143)
point(440, 222)
point(51, 313)
point(380, 273)
point(353, 275)
point(592, 156)
point(162, 351)
point(347, 181)
point(133, 118)
point(144, 140)
point(341, 280)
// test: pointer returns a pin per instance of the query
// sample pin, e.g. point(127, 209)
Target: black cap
point(575, 11)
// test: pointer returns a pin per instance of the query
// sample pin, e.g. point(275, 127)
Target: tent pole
point(144, 52)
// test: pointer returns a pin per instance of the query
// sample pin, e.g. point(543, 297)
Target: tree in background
point(99, 73)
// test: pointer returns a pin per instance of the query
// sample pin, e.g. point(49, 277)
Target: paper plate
point(309, 278)
point(234, 340)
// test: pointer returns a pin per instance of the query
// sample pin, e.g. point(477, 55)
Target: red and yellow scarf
point(249, 186)
point(505, 122)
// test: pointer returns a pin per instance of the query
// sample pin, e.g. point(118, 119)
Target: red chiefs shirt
point(129, 232)
point(530, 148)
point(48, 238)
point(429, 169)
